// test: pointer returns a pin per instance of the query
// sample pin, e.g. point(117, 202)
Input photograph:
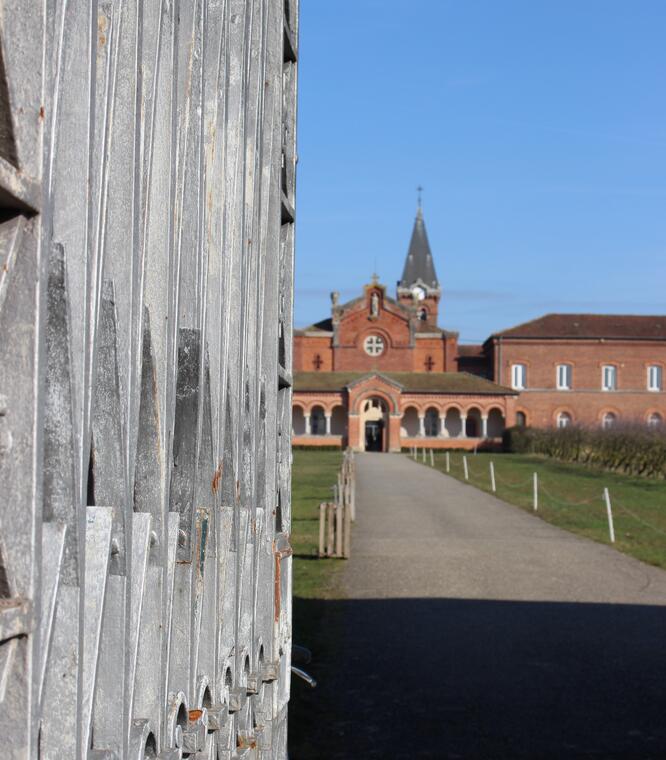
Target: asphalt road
point(472, 629)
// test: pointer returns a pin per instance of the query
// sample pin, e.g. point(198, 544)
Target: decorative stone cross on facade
point(429, 364)
point(317, 361)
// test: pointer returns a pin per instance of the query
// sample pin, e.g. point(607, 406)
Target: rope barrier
point(506, 483)
point(567, 503)
point(639, 519)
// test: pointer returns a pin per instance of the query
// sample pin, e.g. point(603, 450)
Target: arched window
point(521, 419)
point(655, 420)
point(608, 420)
point(373, 345)
point(564, 420)
point(423, 314)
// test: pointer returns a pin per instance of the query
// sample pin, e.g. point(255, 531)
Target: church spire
point(419, 266)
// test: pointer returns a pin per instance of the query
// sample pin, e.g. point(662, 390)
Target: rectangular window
point(608, 377)
point(518, 376)
point(654, 378)
point(564, 373)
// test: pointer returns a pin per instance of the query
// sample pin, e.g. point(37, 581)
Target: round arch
point(298, 420)
point(495, 423)
point(389, 400)
point(431, 421)
point(608, 417)
point(409, 423)
point(563, 417)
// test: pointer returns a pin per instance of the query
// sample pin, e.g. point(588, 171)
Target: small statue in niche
point(374, 305)
point(335, 296)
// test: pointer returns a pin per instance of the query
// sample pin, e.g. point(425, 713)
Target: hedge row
point(629, 449)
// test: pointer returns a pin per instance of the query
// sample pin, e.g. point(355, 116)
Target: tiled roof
point(326, 325)
point(608, 326)
point(471, 350)
point(412, 382)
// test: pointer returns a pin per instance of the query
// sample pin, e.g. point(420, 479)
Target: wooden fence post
point(346, 546)
point(322, 529)
point(330, 519)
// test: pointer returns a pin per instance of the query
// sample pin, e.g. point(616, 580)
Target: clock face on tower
point(418, 292)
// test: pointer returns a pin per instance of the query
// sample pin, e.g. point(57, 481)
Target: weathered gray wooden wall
point(147, 162)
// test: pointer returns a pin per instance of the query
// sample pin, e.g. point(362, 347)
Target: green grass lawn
point(571, 497)
point(313, 476)
point(314, 582)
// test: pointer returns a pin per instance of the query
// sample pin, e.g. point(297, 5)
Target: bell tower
point(418, 285)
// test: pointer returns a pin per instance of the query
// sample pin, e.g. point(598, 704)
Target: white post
point(422, 427)
point(609, 512)
point(328, 424)
point(484, 426)
point(465, 467)
point(536, 492)
point(463, 426)
point(424, 454)
point(492, 477)
point(307, 424)
point(432, 459)
point(448, 462)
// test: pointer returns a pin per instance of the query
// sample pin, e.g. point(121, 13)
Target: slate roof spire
point(419, 266)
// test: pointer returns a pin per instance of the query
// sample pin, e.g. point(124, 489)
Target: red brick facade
point(380, 372)
point(632, 399)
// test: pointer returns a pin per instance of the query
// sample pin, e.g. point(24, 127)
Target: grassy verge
point(315, 581)
point(571, 497)
point(313, 475)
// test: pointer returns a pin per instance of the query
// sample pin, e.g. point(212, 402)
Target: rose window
point(373, 345)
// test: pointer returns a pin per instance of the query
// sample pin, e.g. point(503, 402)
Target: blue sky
point(536, 127)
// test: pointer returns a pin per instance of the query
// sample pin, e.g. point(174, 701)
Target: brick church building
point(380, 374)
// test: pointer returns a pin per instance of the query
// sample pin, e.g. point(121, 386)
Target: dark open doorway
point(374, 435)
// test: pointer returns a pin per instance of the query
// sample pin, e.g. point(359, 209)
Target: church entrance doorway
point(374, 425)
point(374, 433)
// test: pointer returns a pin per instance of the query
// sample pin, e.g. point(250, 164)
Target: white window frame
point(567, 371)
point(655, 420)
point(608, 420)
point(613, 370)
point(563, 420)
point(374, 345)
point(655, 375)
point(519, 376)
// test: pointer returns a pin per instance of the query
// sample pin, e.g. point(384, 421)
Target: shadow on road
point(440, 678)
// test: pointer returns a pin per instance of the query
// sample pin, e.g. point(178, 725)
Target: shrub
point(630, 449)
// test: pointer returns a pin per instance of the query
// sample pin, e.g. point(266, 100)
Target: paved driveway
point(471, 629)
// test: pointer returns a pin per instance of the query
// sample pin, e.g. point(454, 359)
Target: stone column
point(328, 424)
point(442, 427)
point(484, 426)
point(307, 424)
point(421, 426)
point(463, 426)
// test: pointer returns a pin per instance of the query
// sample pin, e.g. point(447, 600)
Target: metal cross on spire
point(419, 190)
